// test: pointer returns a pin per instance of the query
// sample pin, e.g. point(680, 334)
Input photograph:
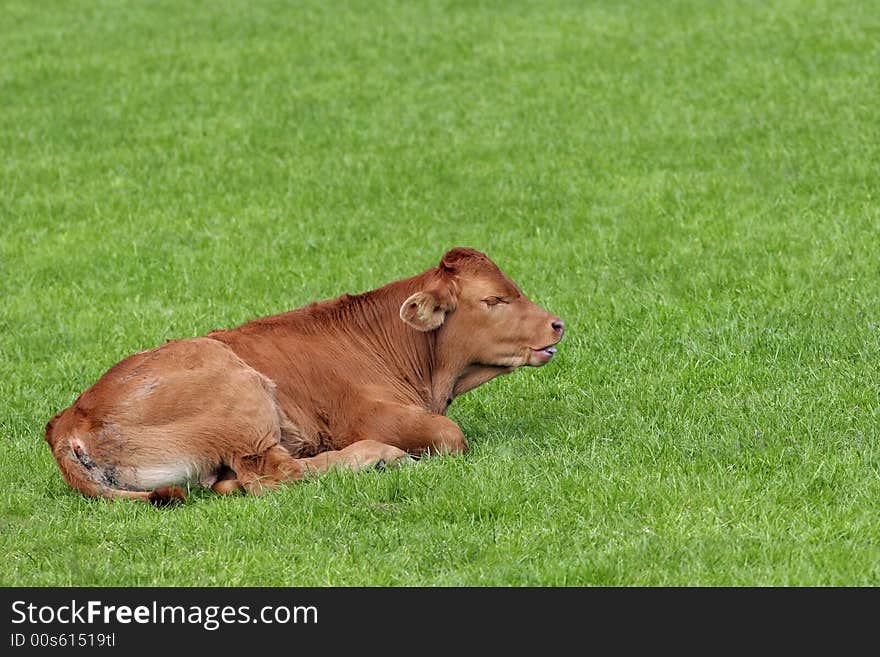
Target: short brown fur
point(354, 381)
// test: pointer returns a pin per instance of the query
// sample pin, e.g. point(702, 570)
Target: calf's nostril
point(558, 326)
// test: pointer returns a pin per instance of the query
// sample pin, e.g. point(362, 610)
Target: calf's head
point(481, 314)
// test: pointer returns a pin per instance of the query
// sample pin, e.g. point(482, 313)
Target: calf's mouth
point(542, 355)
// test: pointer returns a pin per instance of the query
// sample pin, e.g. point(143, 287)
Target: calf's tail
point(93, 480)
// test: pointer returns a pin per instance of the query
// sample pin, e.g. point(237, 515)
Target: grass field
point(692, 186)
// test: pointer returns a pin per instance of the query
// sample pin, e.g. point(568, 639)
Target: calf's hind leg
point(256, 473)
point(357, 456)
point(260, 472)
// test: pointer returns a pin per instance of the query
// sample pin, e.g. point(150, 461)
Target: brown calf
point(354, 381)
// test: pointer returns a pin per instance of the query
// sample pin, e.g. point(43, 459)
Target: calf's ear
point(426, 310)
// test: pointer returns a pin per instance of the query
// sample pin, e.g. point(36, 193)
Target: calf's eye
point(494, 301)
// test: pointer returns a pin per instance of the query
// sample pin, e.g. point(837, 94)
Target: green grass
point(692, 186)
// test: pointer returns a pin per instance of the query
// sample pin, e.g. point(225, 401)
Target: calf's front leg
point(412, 429)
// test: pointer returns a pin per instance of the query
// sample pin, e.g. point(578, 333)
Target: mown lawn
point(692, 186)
